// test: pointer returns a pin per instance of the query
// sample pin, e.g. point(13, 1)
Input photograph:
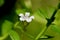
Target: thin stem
point(25, 25)
point(25, 32)
point(16, 26)
point(41, 33)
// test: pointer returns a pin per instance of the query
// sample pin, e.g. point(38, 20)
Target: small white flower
point(26, 17)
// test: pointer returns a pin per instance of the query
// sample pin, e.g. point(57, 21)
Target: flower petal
point(21, 14)
point(22, 19)
point(29, 20)
point(32, 17)
point(27, 14)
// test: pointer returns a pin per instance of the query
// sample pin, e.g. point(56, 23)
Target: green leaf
point(37, 24)
point(47, 12)
point(57, 18)
point(14, 35)
point(47, 7)
point(18, 11)
point(44, 37)
point(27, 3)
point(55, 28)
point(6, 27)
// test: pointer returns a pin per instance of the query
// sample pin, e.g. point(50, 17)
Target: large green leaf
point(14, 35)
point(47, 7)
point(6, 27)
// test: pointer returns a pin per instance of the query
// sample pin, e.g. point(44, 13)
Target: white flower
point(26, 17)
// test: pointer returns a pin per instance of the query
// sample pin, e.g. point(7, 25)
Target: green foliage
point(1, 2)
point(14, 35)
point(55, 28)
point(18, 11)
point(6, 27)
point(43, 11)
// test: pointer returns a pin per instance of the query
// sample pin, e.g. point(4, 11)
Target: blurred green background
point(8, 31)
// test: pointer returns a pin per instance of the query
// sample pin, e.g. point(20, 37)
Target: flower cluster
point(26, 17)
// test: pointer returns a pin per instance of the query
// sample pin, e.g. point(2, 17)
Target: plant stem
point(16, 26)
point(25, 32)
point(41, 33)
